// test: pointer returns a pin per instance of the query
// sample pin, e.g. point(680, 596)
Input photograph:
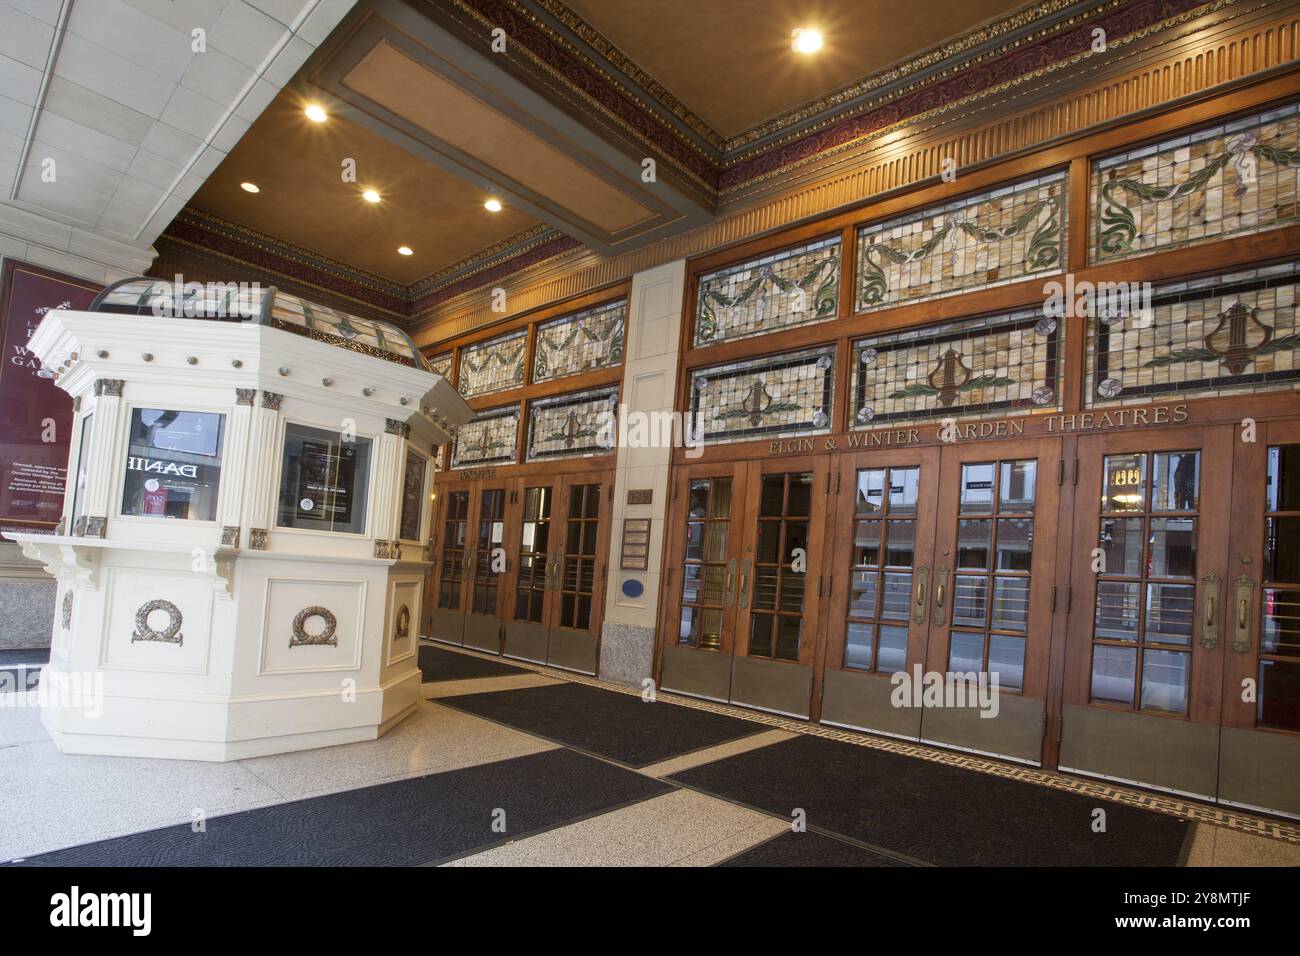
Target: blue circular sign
point(633, 588)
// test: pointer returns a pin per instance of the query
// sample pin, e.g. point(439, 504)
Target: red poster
point(35, 414)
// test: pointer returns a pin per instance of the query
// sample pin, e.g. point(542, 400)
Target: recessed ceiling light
point(806, 40)
point(249, 187)
point(316, 113)
point(370, 196)
point(405, 250)
point(493, 205)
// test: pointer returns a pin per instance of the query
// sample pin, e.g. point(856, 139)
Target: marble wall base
point(26, 613)
point(626, 652)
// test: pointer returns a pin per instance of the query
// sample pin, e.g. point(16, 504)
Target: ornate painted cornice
point(553, 45)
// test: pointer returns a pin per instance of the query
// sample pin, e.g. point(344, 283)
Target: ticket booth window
point(173, 464)
point(324, 481)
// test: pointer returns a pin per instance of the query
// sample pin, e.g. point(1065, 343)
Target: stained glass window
point(442, 365)
point(1008, 363)
point(493, 366)
point(490, 439)
point(586, 340)
point(989, 239)
point(1230, 179)
point(1220, 335)
point(569, 426)
point(788, 394)
point(779, 291)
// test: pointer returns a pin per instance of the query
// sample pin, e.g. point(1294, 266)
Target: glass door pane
point(533, 578)
point(708, 570)
point(488, 559)
point(579, 579)
point(451, 568)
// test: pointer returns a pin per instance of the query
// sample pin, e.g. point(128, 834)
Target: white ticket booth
point(246, 522)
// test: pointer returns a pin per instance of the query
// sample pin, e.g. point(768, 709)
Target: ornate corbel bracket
point(71, 565)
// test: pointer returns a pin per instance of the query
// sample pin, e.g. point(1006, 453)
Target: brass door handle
point(1241, 634)
point(918, 604)
point(728, 593)
point(941, 596)
point(745, 568)
point(1211, 585)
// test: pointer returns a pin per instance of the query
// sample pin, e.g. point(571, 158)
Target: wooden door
point(486, 565)
point(1254, 613)
point(993, 587)
point(580, 569)
point(698, 623)
point(879, 586)
point(780, 584)
point(450, 579)
point(1144, 663)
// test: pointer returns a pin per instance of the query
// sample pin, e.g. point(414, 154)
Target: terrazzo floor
point(51, 801)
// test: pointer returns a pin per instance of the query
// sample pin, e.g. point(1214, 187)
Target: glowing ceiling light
point(316, 113)
point(493, 205)
point(805, 40)
point(406, 250)
point(249, 187)
point(370, 196)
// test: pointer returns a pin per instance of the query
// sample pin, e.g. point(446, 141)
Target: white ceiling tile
point(91, 109)
point(15, 117)
point(287, 12)
point(234, 128)
point(19, 81)
point(258, 99)
point(45, 10)
point(288, 62)
point(183, 15)
point(218, 77)
point(129, 32)
point(170, 143)
point(11, 148)
point(74, 199)
point(116, 77)
point(247, 35)
point(71, 170)
point(25, 38)
point(322, 21)
point(58, 131)
point(154, 169)
point(194, 113)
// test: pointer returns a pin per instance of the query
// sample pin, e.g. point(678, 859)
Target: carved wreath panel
point(170, 634)
point(327, 636)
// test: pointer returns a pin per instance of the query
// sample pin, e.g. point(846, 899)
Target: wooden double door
point(913, 560)
point(1135, 594)
point(521, 566)
point(1182, 664)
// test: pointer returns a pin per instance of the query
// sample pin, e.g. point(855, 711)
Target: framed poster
point(35, 414)
point(635, 553)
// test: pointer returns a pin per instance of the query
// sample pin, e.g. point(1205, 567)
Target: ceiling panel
point(731, 63)
point(304, 201)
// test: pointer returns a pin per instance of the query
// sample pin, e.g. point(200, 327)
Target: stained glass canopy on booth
point(264, 305)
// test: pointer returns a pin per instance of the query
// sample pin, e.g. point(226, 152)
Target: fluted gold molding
point(893, 159)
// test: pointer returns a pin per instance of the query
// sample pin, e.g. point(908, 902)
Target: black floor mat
point(937, 813)
point(36, 657)
point(809, 849)
point(439, 665)
point(607, 723)
point(408, 822)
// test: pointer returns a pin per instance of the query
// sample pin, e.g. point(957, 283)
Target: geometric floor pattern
point(426, 791)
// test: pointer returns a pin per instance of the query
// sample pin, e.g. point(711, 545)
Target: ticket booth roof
point(263, 305)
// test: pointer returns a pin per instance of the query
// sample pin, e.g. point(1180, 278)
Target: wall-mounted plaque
point(635, 554)
point(640, 496)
